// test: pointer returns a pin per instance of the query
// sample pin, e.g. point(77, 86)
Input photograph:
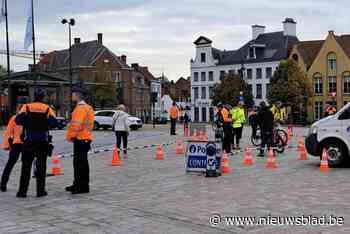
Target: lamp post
point(70, 23)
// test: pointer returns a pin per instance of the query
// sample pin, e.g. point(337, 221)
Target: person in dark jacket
point(253, 121)
point(265, 120)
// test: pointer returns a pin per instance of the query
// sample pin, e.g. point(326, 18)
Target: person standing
point(174, 114)
point(36, 118)
point(238, 118)
point(266, 122)
point(226, 121)
point(13, 143)
point(121, 127)
point(80, 133)
point(253, 121)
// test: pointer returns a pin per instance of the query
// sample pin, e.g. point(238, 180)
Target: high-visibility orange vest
point(13, 131)
point(225, 113)
point(174, 112)
point(82, 123)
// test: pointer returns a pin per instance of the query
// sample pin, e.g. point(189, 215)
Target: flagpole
point(8, 59)
point(33, 39)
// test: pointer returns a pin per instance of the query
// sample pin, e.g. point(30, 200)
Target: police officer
point(12, 141)
point(225, 118)
point(36, 118)
point(80, 133)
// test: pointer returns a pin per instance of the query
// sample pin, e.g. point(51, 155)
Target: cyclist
point(266, 122)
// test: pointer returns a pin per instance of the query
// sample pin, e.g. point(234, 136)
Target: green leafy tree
point(289, 85)
point(3, 70)
point(104, 95)
point(228, 91)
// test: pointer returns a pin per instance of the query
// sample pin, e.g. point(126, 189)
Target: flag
point(28, 39)
point(2, 11)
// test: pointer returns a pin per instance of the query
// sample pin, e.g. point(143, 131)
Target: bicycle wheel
point(283, 135)
point(257, 140)
point(279, 144)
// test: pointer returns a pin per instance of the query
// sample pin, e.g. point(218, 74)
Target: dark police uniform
point(36, 119)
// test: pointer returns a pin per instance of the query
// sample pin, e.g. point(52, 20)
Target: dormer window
point(203, 58)
point(251, 53)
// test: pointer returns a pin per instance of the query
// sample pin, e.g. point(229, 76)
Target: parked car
point(104, 119)
point(333, 135)
point(161, 120)
point(61, 123)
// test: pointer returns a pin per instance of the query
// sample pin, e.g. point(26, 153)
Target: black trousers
point(266, 140)
point(172, 126)
point(226, 143)
point(81, 164)
point(254, 130)
point(14, 153)
point(32, 150)
point(122, 135)
point(237, 133)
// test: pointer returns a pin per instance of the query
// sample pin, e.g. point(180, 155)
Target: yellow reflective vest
point(238, 117)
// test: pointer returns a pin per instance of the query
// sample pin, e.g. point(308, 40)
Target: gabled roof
point(146, 73)
point(83, 55)
point(202, 41)
point(344, 42)
point(309, 50)
point(273, 46)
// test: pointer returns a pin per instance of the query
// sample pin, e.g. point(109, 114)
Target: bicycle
point(277, 139)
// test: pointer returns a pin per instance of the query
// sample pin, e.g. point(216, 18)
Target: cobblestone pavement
point(148, 196)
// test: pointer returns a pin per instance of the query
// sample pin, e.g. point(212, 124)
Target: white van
point(333, 134)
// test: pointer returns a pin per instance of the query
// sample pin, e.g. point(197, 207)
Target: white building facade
point(259, 58)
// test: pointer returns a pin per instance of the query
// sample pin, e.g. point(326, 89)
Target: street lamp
point(70, 23)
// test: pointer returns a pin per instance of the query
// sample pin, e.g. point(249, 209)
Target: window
point(251, 52)
point(222, 75)
point(195, 77)
point(346, 80)
point(250, 88)
point(332, 64)
point(196, 93)
point(211, 92)
point(345, 115)
point(258, 73)
point(259, 91)
point(267, 89)
point(211, 76)
point(211, 114)
point(249, 74)
point(332, 85)
point(196, 114)
point(318, 84)
point(268, 72)
point(204, 114)
point(203, 58)
point(116, 76)
point(204, 92)
point(318, 110)
point(203, 76)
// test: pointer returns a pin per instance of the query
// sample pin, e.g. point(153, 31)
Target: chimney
point(77, 40)
point(289, 27)
point(135, 66)
point(123, 57)
point(257, 30)
point(100, 38)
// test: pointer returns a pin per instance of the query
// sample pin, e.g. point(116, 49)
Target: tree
point(3, 70)
point(290, 86)
point(104, 95)
point(228, 91)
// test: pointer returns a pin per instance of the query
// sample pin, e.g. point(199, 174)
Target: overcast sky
point(160, 33)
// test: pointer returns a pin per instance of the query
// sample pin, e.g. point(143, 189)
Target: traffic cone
point(159, 153)
point(115, 157)
point(271, 161)
point(289, 135)
point(185, 131)
point(180, 148)
point(300, 144)
point(303, 154)
point(56, 167)
point(225, 164)
point(248, 157)
point(324, 162)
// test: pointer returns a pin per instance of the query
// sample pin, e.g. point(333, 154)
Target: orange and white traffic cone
point(248, 157)
point(225, 164)
point(271, 161)
point(300, 144)
point(289, 135)
point(159, 153)
point(303, 154)
point(324, 162)
point(56, 167)
point(180, 148)
point(115, 157)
